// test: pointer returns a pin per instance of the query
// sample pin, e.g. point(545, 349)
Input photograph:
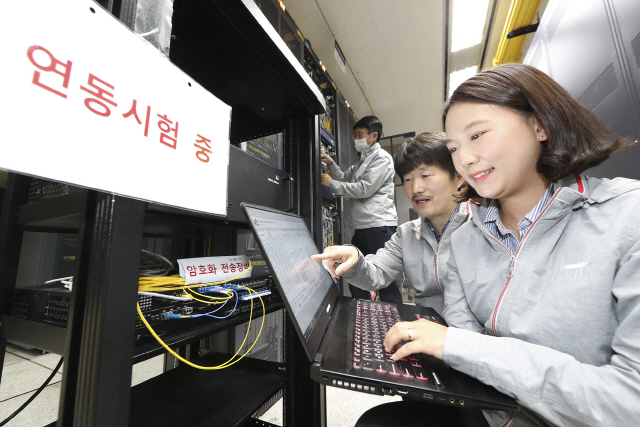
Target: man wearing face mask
point(369, 185)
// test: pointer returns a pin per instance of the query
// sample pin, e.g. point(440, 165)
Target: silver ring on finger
point(410, 334)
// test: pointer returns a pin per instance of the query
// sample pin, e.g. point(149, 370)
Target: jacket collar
point(570, 192)
point(423, 231)
point(370, 150)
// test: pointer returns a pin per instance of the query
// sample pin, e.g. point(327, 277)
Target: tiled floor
point(25, 370)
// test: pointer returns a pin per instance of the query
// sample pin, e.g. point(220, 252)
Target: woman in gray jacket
point(543, 290)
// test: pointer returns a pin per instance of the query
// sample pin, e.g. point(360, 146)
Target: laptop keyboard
point(373, 320)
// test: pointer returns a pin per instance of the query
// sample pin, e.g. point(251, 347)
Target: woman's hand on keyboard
point(428, 337)
point(338, 259)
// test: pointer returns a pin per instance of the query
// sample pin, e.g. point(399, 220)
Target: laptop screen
point(287, 247)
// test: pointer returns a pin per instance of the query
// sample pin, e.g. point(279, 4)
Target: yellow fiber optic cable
point(221, 300)
point(228, 362)
point(175, 282)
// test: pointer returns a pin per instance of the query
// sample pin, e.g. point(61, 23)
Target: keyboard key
point(393, 368)
point(436, 379)
point(367, 364)
point(405, 367)
point(421, 374)
point(381, 366)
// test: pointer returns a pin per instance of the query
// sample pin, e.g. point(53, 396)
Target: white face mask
point(361, 144)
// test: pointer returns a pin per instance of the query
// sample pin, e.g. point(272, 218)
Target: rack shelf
point(230, 49)
point(224, 397)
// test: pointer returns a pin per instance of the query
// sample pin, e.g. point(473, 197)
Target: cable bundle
point(151, 285)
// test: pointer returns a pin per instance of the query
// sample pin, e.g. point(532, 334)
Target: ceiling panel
point(394, 52)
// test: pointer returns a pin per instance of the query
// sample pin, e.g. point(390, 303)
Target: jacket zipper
point(435, 265)
point(435, 255)
point(513, 414)
point(512, 261)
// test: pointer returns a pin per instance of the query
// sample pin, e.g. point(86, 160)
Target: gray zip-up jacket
point(412, 249)
point(369, 183)
point(566, 306)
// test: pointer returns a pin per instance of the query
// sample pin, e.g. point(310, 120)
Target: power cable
point(34, 395)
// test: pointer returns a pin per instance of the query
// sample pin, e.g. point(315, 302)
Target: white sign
point(214, 269)
point(342, 61)
point(87, 102)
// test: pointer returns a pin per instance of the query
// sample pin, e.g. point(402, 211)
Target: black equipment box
point(163, 315)
point(51, 304)
point(44, 304)
point(251, 181)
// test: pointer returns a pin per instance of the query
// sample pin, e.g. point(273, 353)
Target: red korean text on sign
point(101, 94)
point(201, 154)
point(165, 128)
point(192, 270)
point(64, 72)
point(134, 112)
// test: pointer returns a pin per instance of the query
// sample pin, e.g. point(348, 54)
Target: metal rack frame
point(98, 343)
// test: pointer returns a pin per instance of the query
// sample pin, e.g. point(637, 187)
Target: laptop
point(329, 325)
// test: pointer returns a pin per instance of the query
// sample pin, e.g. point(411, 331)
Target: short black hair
point(371, 124)
point(429, 149)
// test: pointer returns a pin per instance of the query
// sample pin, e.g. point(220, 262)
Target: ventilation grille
point(604, 85)
point(270, 345)
point(264, 408)
point(57, 311)
point(41, 189)
point(19, 305)
point(635, 45)
point(145, 305)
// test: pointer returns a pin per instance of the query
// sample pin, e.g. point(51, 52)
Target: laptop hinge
point(319, 357)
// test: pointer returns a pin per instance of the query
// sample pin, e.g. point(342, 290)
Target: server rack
point(601, 38)
point(226, 48)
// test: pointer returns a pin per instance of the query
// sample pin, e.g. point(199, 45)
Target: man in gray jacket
point(369, 185)
point(419, 248)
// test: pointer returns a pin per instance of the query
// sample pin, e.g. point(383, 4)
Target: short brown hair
point(577, 140)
